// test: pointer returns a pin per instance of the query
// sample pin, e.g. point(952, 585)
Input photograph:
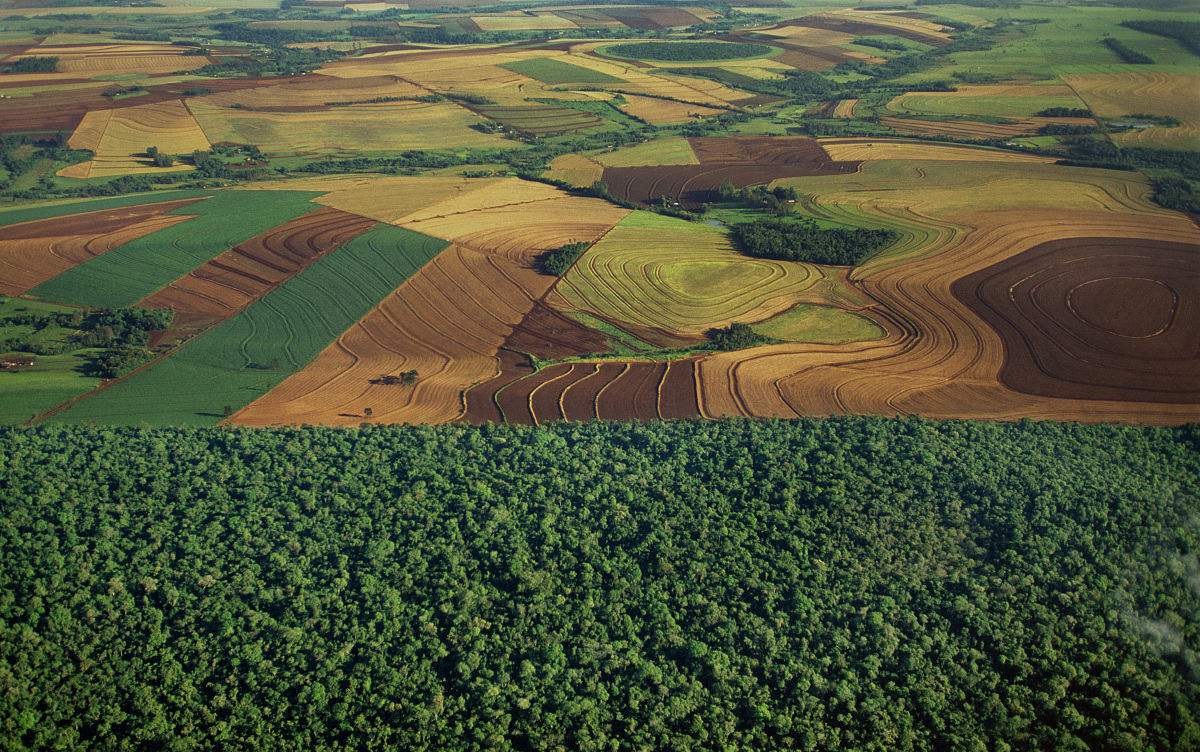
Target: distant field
point(62, 208)
point(551, 71)
point(673, 150)
point(539, 119)
point(129, 273)
point(688, 51)
point(246, 356)
point(988, 100)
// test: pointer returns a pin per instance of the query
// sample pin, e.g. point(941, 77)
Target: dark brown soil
point(742, 161)
point(549, 334)
point(1096, 318)
point(677, 397)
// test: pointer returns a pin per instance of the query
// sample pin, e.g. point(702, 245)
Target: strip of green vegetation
point(688, 51)
point(60, 209)
point(126, 274)
point(844, 584)
point(551, 71)
point(233, 364)
point(26, 391)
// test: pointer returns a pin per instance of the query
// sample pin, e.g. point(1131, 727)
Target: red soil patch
point(228, 283)
point(677, 395)
point(62, 110)
point(1096, 318)
point(33, 252)
point(481, 405)
point(742, 161)
point(546, 333)
point(634, 394)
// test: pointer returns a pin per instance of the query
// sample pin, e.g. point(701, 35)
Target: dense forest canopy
point(863, 584)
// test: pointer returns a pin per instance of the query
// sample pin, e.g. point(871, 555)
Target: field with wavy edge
point(1112, 95)
point(119, 139)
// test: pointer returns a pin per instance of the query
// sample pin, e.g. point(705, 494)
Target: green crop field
point(125, 275)
point(688, 51)
point(819, 324)
point(243, 358)
point(551, 71)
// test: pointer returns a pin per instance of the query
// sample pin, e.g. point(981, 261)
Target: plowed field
point(742, 161)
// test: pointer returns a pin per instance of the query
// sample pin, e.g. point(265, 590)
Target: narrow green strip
point(126, 274)
point(47, 211)
point(245, 357)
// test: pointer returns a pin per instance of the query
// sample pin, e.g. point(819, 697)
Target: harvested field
point(961, 128)
point(550, 70)
point(33, 252)
point(742, 160)
point(63, 110)
point(519, 229)
point(541, 119)
point(862, 24)
point(119, 139)
point(845, 108)
point(875, 149)
point(661, 273)
point(652, 17)
point(390, 126)
point(939, 358)
point(664, 111)
point(1096, 318)
point(522, 22)
point(804, 48)
point(97, 59)
point(1112, 95)
point(575, 169)
point(228, 283)
point(313, 92)
point(673, 150)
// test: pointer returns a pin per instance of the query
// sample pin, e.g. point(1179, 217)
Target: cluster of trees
point(776, 199)
point(1091, 152)
point(1187, 33)
point(803, 240)
point(21, 155)
point(121, 336)
point(31, 65)
point(1126, 53)
point(736, 336)
point(1176, 193)
point(274, 61)
point(853, 583)
point(1073, 112)
point(558, 261)
point(880, 43)
point(158, 158)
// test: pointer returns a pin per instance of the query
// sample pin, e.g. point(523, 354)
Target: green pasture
point(248, 355)
point(819, 324)
point(125, 275)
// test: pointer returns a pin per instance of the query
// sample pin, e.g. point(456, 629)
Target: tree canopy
point(853, 583)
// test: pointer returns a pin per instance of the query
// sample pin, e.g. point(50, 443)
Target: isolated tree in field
point(368, 411)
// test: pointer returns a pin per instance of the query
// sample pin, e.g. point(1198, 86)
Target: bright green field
point(52, 379)
point(819, 324)
point(551, 71)
point(63, 208)
point(125, 275)
point(246, 356)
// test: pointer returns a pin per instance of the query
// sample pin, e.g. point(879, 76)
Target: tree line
point(801, 239)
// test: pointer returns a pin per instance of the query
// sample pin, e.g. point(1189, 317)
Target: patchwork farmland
point(366, 240)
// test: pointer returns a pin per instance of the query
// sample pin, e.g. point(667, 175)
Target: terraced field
point(120, 138)
point(541, 120)
point(658, 274)
point(1113, 95)
point(244, 357)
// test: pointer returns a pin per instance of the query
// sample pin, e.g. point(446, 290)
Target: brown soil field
point(548, 334)
point(1096, 318)
point(874, 149)
point(604, 390)
point(742, 160)
point(62, 110)
point(33, 252)
point(314, 91)
point(228, 283)
point(664, 111)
